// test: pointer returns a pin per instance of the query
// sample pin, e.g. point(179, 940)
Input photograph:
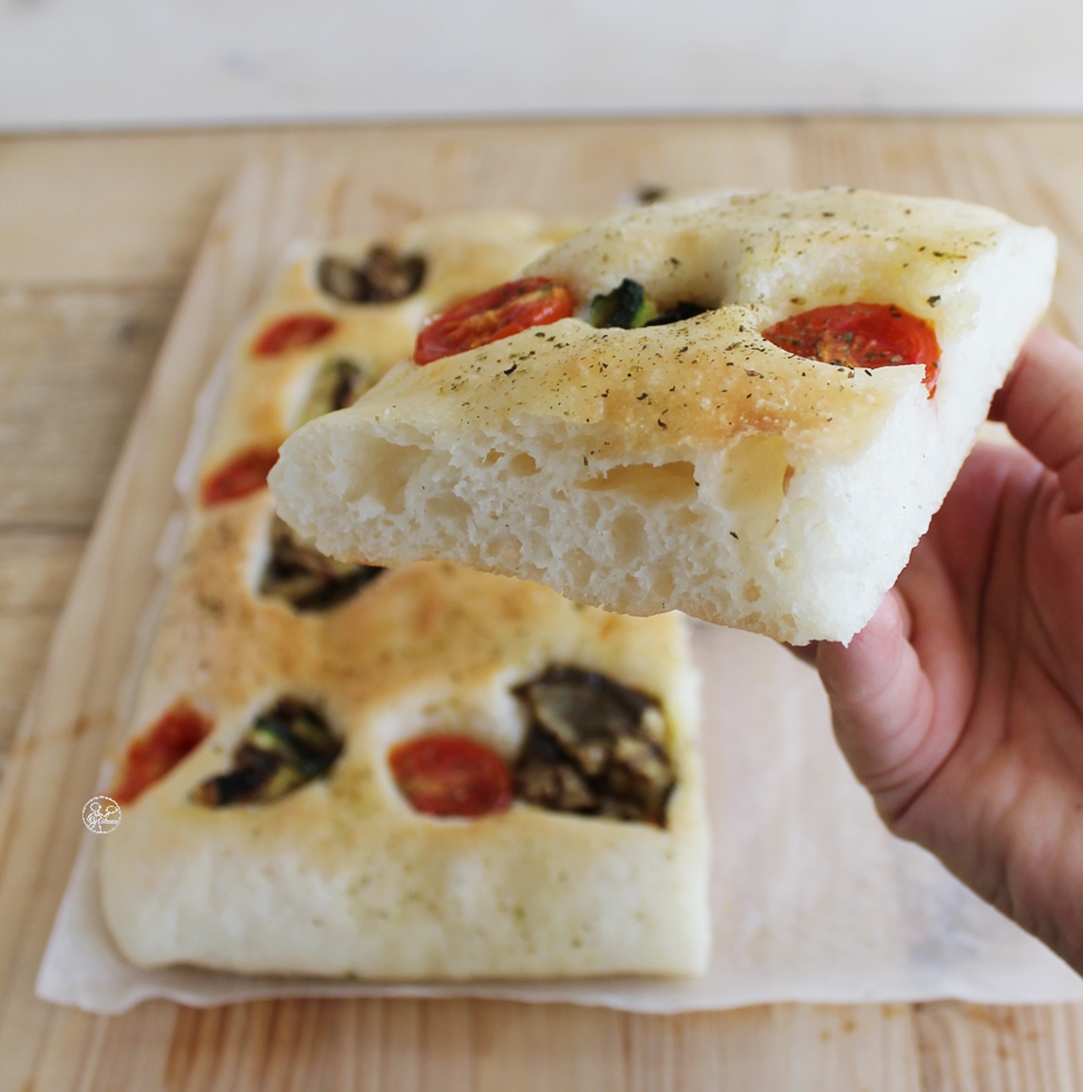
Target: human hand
point(960, 705)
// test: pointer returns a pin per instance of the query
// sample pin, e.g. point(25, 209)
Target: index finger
point(1041, 402)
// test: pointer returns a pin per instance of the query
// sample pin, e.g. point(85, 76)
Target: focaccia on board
point(694, 465)
point(241, 859)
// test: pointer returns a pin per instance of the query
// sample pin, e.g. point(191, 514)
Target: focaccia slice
point(693, 465)
point(342, 876)
point(273, 822)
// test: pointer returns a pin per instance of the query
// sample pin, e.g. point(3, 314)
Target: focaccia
point(676, 457)
point(280, 813)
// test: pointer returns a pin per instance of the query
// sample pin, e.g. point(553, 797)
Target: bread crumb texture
point(693, 466)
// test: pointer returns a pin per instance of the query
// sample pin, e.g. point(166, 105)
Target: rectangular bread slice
point(340, 874)
point(693, 466)
point(343, 877)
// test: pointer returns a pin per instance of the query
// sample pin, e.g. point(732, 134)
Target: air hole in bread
point(502, 551)
point(629, 538)
point(447, 506)
point(523, 466)
point(389, 467)
point(663, 585)
point(590, 512)
point(648, 483)
point(580, 564)
point(756, 476)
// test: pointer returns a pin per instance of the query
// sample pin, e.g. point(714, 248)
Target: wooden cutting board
point(452, 1045)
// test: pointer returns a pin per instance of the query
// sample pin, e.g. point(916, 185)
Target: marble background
point(76, 63)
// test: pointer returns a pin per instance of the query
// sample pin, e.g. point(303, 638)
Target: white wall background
point(72, 63)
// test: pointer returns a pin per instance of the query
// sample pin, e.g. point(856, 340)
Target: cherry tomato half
point(152, 755)
point(502, 311)
point(860, 335)
point(240, 476)
point(293, 332)
point(451, 776)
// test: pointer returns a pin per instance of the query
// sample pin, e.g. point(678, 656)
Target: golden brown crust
point(703, 382)
point(713, 378)
point(693, 465)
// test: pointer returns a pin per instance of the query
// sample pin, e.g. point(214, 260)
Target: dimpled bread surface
point(693, 466)
point(342, 876)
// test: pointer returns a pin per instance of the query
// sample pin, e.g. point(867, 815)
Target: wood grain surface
point(98, 236)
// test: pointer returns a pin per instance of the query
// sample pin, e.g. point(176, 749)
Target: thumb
point(882, 705)
point(1041, 402)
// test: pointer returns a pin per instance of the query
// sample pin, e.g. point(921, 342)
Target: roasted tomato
point(153, 754)
point(451, 776)
point(293, 332)
point(860, 335)
point(502, 311)
point(240, 476)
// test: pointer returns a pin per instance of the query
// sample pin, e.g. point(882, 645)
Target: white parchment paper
point(812, 899)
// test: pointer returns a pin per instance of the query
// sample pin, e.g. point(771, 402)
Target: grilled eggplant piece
point(286, 747)
point(305, 578)
point(628, 306)
point(338, 384)
point(384, 276)
point(594, 747)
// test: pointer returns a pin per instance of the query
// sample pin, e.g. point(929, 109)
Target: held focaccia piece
point(276, 817)
point(695, 464)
